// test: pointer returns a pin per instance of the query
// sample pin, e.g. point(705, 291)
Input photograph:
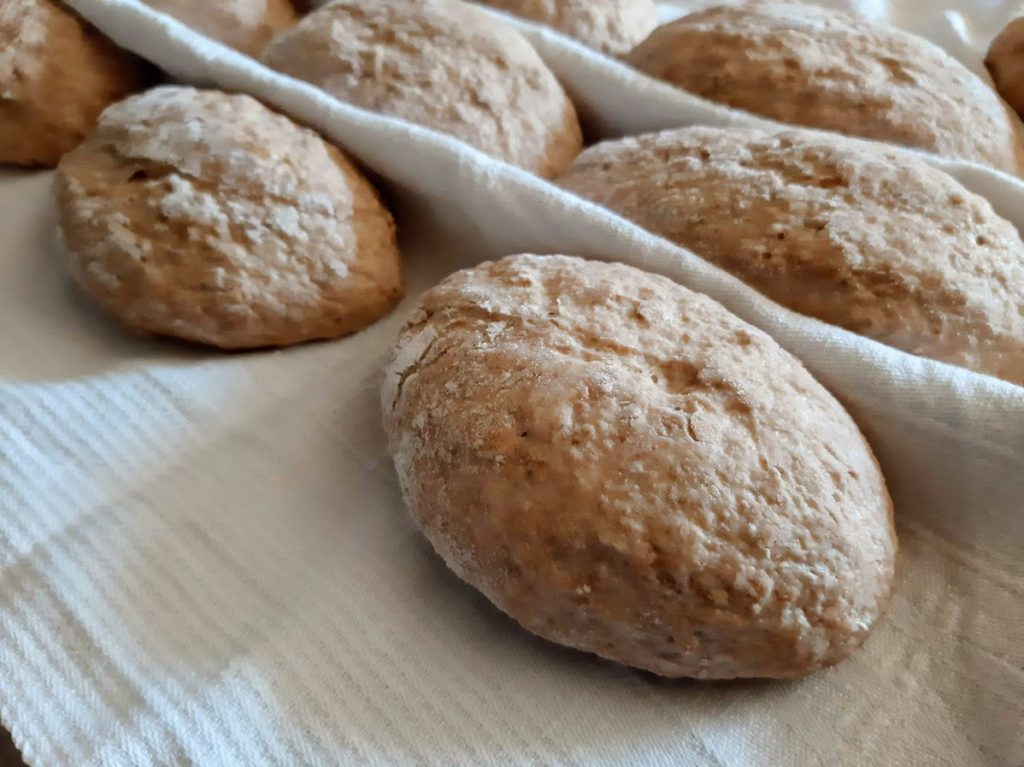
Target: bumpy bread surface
point(207, 216)
point(57, 74)
point(246, 25)
point(443, 64)
point(855, 233)
point(1005, 61)
point(626, 468)
point(824, 69)
point(612, 26)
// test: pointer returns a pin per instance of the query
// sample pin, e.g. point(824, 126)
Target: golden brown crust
point(207, 216)
point(864, 236)
point(824, 69)
point(624, 467)
point(246, 25)
point(439, 63)
point(57, 74)
point(1005, 61)
point(612, 26)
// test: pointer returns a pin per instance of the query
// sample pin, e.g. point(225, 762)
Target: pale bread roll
point(57, 74)
point(821, 68)
point(443, 64)
point(1005, 61)
point(855, 233)
point(208, 217)
point(246, 25)
point(626, 468)
point(611, 26)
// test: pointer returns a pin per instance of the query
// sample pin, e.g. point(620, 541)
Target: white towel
point(204, 558)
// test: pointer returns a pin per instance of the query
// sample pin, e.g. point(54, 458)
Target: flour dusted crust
point(441, 63)
point(824, 69)
point(624, 467)
point(246, 25)
point(612, 26)
point(858, 234)
point(1005, 61)
point(57, 74)
point(207, 216)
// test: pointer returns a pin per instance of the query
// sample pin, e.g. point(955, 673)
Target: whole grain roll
point(612, 26)
point(821, 68)
point(443, 64)
point(246, 25)
point(208, 217)
point(861, 235)
point(1005, 61)
point(626, 468)
point(57, 73)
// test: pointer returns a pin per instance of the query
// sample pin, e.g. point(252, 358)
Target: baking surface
point(204, 558)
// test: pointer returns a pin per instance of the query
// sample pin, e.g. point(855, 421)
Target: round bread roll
point(1005, 61)
point(626, 468)
point(821, 68)
point(441, 63)
point(246, 25)
point(207, 216)
point(861, 235)
point(612, 26)
point(57, 74)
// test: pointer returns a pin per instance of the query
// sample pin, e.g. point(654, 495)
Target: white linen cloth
point(204, 558)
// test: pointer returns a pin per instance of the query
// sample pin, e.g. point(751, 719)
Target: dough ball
point(821, 68)
point(246, 25)
point(57, 73)
point(626, 468)
point(206, 216)
point(1005, 61)
point(443, 64)
point(858, 234)
point(612, 26)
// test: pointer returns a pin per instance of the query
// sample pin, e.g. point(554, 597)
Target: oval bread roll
point(821, 68)
point(626, 468)
point(1005, 61)
point(612, 26)
point(208, 217)
point(857, 234)
point(57, 73)
point(246, 25)
point(443, 64)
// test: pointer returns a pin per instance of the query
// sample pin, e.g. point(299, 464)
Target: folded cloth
point(204, 559)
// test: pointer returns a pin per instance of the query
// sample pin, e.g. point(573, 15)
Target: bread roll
point(57, 74)
point(1005, 61)
point(444, 64)
point(246, 25)
point(857, 234)
point(206, 216)
point(626, 468)
point(824, 69)
point(612, 26)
